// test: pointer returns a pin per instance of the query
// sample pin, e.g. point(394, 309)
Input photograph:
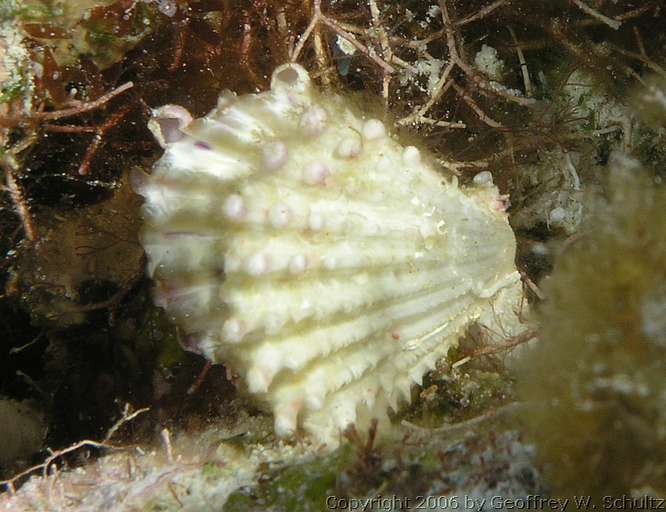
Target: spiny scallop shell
point(299, 242)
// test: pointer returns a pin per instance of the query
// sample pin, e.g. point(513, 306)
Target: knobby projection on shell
point(298, 242)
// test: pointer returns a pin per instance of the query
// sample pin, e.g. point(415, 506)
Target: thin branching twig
point(523, 63)
point(127, 416)
point(83, 107)
point(319, 17)
point(494, 348)
point(463, 426)
point(481, 13)
point(614, 24)
point(385, 45)
point(45, 466)
point(18, 199)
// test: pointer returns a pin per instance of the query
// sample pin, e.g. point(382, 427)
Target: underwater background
point(563, 101)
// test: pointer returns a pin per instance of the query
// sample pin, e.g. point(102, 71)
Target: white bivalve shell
point(302, 245)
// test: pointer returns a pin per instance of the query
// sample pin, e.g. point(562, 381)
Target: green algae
point(299, 488)
point(432, 469)
point(12, 90)
point(596, 379)
point(458, 395)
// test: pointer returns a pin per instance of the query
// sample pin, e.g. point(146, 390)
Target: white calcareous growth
point(299, 243)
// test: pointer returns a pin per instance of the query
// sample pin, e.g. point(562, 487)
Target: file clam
point(297, 241)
